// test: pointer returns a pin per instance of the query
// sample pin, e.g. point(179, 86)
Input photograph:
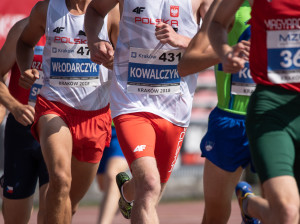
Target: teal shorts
point(273, 129)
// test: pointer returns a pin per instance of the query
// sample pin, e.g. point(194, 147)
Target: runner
point(273, 113)
point(23, 161)
point(72, 120)
point(225, 145)
point(152, 111)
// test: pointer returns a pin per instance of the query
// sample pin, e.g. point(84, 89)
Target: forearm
point(93, 23)
point(6, 99)
point(24, 55)
point(218, 39)
point(198, 56)
point(194, 62)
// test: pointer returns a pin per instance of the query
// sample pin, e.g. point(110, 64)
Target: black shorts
point(273, 129)
point(23, 161)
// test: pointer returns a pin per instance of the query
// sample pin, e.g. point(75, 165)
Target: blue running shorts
point(23, 161)
point(226, 144)
point(112, 151)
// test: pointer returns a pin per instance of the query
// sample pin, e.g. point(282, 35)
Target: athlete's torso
point(25, 96)
point(234, 90)
point(145, 71)
point(275, 45)
point(71, 77)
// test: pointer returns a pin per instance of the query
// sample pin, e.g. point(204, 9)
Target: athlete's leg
point(141, 136)
point(272, 126)
point(42, 203)
point(21, 171)
point(56, 143)
point(17, 210)
point(218, 190)
point(147, 190)
point(109, 203)
point(280, 205)
point(83, 174)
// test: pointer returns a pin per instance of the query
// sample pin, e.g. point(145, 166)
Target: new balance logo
point(81, 33)
point(58, 29)
point(139, 148)
point(138, 10)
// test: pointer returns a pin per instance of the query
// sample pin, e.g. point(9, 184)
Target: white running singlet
point(70, 77)
point(145, 71)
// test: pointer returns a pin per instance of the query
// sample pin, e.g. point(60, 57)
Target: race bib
point(37, 64)
point(283, 48)
point(71, 66)
point(242, 82)
point(153, 71)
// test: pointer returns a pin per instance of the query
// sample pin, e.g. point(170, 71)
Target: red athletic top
point(21, 94)
point(275, 43)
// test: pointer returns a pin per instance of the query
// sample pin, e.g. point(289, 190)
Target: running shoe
point(124, 206)
point(242, 191)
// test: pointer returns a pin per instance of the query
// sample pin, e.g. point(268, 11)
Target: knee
point(148, 185)
point(110, 176)
point(289, 213)
point(60, 183)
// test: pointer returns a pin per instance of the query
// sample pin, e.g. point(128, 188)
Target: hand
point(24, 114)
point(28, 78)
point(235, 58)
point(101, 52)
point(109, 64)
point(166, 34)
point(244, 48)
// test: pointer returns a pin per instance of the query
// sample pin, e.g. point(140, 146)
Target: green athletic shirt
point(226, 101)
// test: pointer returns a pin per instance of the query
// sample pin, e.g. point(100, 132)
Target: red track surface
point(169, 213)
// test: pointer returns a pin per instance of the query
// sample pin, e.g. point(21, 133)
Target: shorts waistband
point(71, 110)
point(228, 114)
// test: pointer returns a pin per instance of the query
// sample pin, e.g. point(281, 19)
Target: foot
point(242, 191)
point(124, 206)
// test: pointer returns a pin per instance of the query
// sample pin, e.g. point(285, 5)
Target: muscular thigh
point(272, 126)
point(146, 134)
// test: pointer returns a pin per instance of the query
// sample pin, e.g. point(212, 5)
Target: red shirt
point(275, 43)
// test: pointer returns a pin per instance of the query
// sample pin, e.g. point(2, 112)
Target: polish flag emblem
point(174, 11)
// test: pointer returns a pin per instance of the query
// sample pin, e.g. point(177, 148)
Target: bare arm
point(113, 25)
point(113, 31)
point(199, 55)
point(30, 36)
point(22, 113)
point(101, 51)
point(230, 57)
